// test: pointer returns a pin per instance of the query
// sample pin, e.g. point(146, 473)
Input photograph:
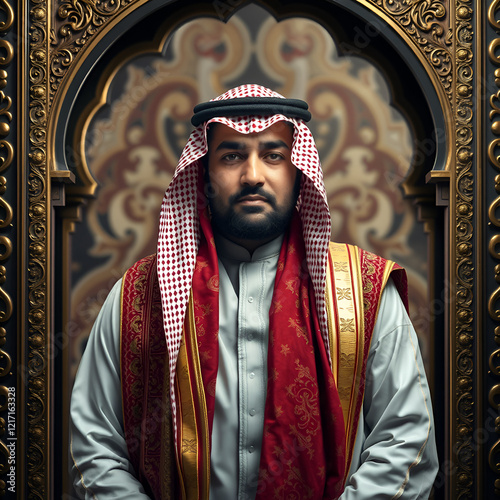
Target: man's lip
point(252, 199)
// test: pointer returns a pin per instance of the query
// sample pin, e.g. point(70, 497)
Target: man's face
point(253, 183)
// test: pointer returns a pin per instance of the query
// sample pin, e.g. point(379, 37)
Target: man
point(290, 368)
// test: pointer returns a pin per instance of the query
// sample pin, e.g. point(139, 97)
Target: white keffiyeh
point(179, 231)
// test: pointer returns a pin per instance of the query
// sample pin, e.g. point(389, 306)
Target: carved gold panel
point(48, 45)
point(494, 236)
point(8, 212)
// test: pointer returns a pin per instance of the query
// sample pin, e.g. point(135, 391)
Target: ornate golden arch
point(47, 48)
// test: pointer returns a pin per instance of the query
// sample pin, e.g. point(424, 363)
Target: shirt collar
point(227, 249)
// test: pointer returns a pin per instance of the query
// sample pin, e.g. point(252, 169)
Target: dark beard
point(237, 225)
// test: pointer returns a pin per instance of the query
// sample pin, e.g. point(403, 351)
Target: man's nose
point(253, 170)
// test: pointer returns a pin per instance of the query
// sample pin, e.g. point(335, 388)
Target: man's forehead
point(219, 132)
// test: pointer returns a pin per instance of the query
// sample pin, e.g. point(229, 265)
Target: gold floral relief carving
point(494, 161)
point(462, 424)
point(37, 369)
point(428, 24)
point(75, 23)
point(425, 21)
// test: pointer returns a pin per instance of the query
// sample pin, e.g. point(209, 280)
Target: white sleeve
point(100, 465)
point(395, 452)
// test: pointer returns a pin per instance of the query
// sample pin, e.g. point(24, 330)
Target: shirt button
point(251, 375)
point(250, 336)
point(250, 299)
point(251, 449)
point(252, 412)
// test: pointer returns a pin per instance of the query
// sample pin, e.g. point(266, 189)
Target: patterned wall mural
point(133, 144)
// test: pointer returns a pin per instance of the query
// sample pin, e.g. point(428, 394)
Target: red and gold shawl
point(312, 408)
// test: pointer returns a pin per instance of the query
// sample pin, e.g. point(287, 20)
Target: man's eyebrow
point(240, 146)
point(235, 145)
point(273, 145)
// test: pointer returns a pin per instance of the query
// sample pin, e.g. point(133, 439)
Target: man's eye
point(274, 156)
point(231, 157)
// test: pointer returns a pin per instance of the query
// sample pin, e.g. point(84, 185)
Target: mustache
point(250, 190)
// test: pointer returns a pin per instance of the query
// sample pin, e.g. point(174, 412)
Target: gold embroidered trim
point(345, 316)
point(191, 427)
point(332, 327)
point(359, 335)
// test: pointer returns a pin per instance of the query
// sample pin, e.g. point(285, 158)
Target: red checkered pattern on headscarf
point(179, 231)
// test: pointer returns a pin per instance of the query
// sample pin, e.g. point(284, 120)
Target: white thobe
point(394, 456)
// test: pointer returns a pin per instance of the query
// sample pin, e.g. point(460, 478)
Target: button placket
point(251, 336)
point(249, 376)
